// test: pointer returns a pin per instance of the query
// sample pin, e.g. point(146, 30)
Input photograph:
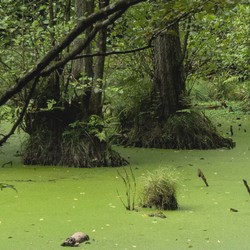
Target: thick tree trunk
point(169, 85)
point(158, 124)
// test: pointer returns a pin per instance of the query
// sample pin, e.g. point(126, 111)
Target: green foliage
point(96, 127)
point(26, 32)
point(159, 189)
point(219, 89)
point(213, 40)
point(93, 127)
point(76, 88)
point(6, 113)
point(127, 95)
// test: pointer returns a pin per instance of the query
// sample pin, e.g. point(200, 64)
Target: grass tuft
point(159, 190)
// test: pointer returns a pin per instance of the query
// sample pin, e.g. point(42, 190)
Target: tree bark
point(169, 85)
point(158, 124)
point(68, 135)
point(97, 89)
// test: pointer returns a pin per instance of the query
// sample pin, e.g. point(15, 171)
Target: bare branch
point(23, 112)
point(115, 52)
point(84, 43)
point(153, 37)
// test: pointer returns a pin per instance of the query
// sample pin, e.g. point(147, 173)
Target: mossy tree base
point(85, 153)
point(183, 130)
point(53, 142)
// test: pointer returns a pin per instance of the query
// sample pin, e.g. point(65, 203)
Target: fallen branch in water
point(3, 185)
point(234, 210)
point(7, 163)
point(246, 185)
point(202, 176)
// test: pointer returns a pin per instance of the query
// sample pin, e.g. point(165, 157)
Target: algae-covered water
point(54, 202)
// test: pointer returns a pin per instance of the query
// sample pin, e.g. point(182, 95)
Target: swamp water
point(54, 202)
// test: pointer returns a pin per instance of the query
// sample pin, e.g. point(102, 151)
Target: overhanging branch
point(55, 51)
point(150, 42)
point(84, 43)
point(114, 52)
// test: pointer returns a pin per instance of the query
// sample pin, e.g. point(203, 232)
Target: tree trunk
point(70, 135)
point(97, 89)
point(83, 67)
point(44, 126)
point(161, 121)
point(169, 85)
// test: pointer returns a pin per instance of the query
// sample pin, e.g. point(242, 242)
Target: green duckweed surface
point(54, 202)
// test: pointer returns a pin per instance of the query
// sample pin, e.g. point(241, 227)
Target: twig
point(7, 163)
point(23, 112)
point(246, 185)
point(5, 65)
point(3, 185)
point(234, 210)
point(115, 52)
point(202, 176)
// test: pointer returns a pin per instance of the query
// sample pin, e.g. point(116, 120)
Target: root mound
point(81, 152)
point(183, 130)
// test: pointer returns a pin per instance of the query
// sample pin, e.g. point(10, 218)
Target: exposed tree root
point(85, 153)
